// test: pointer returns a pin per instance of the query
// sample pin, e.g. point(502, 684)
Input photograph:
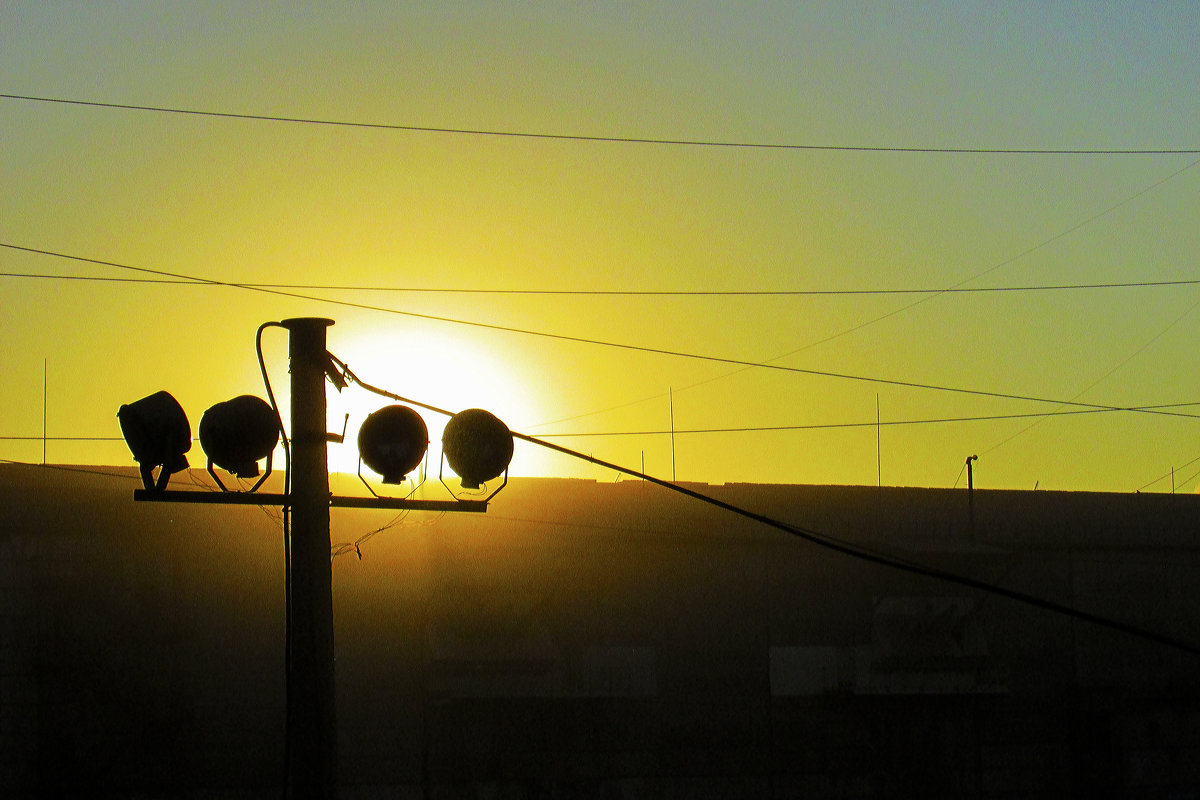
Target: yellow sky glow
point(272, 202)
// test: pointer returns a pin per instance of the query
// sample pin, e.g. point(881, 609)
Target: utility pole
point(311, 744)
point(312, 724)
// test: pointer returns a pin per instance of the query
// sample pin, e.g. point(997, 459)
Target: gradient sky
point(272, 202)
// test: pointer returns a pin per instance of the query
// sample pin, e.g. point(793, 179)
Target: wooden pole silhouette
point(312, 724)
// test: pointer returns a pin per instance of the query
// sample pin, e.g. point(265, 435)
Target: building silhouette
point(612, 640)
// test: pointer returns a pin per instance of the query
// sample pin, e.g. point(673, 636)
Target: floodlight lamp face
point(392, 441)
point(238, 433)
point(478, 446)
point(158, 434)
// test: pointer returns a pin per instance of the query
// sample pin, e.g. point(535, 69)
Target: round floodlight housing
point(238, 433)
point(392, 441)
point(478, 446)
point(158, 434)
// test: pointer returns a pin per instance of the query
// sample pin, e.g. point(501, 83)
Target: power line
point(61, 439)
point(127, 475)
point(562, 337)
point(570, 137)
point(814, 537)
point(1062, 287)
point(961, 286)
point(746, 428)
point(1168, 474)
point(1145, 345)
point(837, 425)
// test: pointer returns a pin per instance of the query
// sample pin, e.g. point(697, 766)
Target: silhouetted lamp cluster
point(392, 441)
point(477, 446)
point(239, 433)
point(157, 432)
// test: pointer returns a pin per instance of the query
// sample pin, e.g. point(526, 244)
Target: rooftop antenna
point(878, 453)
point(671, 398)
point(971, 491)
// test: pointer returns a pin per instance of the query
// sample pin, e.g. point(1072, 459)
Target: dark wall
point(608, 640)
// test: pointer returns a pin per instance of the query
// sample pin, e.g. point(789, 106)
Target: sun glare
point(446, 371)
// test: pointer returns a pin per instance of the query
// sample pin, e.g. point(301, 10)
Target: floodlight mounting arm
point(252, 489)
point(275, 499)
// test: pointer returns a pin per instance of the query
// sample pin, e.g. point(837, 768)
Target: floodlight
point(158, 434)
point(392, 441)
point(478, 446)
point(237, 434)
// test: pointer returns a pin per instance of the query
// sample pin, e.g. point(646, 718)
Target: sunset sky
point(873, 192)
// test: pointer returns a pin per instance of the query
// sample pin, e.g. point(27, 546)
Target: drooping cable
point(1111, 371)
point(815, 426)
point(821, 540)
point(702, 293)
point(626, 346)
point(826, 425)
point(1168, 474)
point(640, 140)
point(961, 285)
point(287, 553)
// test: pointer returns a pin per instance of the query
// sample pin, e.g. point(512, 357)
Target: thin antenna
point(971, 492)
point(878, 454)
point(45, 385)
point(671, 396)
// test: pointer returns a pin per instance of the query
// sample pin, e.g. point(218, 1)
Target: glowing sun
point(445, 370)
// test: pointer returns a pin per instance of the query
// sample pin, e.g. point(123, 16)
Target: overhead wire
point(131, 476)
point(400, 519)
point(1190, 478)
point(960, 286)
point(863, 424)
point(742, 364)
point(626, 346)
point(351, 377)
point(347, 547)
point(1064, 287)
point(1144, 346)
point(605, 139)
point(816, 426)
point(1167, 474)
point(61, 439)
point(285, 511)
point(821, 540)
point(961, 470)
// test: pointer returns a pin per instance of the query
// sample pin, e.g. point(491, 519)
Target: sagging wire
point(287, 550)
point(830, 541)
point(822, 540)
point(64, 468)
point(356, 546)
point(960, 474)
point(400, 519)
point(346, 547)
point(349, 375)
point(1168, 474)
